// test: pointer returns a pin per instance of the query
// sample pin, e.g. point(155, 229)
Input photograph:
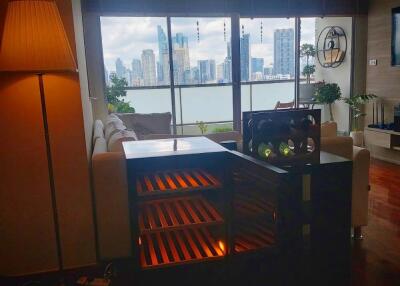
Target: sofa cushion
point(112, 118)
point(100, 146)
point(329, 129)
point(98, 130)
point(115, 142)
point(143, 124)
point(112, 128)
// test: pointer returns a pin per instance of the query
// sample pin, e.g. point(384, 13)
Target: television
point(396, 37)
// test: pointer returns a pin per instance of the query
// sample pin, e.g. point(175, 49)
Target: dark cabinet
point(200, 213)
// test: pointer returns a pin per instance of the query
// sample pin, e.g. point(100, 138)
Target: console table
point(383, 138)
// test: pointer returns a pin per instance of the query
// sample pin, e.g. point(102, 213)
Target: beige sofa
point(343, 146)
point(111, 188)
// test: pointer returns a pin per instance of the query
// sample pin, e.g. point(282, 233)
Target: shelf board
point(175, 181)
point(253, 236)
point(169, 248)
point(252, 204)
point(157, 215)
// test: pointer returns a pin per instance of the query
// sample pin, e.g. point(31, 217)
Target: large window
point(137, 53)
point(267, 62)
point(202, 73)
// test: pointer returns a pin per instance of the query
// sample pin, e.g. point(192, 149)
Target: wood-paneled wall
point(383, 79)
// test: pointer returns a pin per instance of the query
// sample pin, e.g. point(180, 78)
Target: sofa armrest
point(111, 201)
point(361, 162)
point(340, 145)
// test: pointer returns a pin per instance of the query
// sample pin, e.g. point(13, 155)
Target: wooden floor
point(376, 259)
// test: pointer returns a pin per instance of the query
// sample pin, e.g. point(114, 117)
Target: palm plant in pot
point(307, 89)
point(328, 93)
point(308, 51)
point(356, 104)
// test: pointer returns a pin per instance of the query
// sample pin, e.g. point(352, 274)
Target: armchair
point(343, 146)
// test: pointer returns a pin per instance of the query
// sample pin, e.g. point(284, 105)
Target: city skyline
point(187, 60)
point(126, 37)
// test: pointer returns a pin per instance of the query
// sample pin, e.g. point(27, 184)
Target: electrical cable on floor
point(109, 271)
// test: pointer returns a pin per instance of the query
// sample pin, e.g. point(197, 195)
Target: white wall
point(340, 75)
point(83, 79)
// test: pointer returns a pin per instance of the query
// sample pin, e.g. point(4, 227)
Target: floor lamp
point(34, 42)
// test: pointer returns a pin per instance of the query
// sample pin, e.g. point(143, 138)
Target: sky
point(126, 37)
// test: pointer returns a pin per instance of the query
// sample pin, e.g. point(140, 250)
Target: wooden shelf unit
point(187, 245)
point(158, 215)
point(174, 181)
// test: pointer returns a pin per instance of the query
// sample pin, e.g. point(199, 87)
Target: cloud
point(126, 37)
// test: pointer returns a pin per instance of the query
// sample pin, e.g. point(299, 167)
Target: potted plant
point(308, 51)
point(356, 104)
point(115, 94)
point(307, 89)
point(328, 93)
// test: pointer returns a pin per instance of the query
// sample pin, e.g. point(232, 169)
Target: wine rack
point(174, 213)
point(187, 245)
point(199, 207)
point(175, 181)
point(175, 229)
point(283, 137)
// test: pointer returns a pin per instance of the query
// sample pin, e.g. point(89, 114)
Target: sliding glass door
point(136, 66)
point(267, 62)
point(202, 74)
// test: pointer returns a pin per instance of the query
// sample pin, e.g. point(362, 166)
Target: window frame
point(235, 46)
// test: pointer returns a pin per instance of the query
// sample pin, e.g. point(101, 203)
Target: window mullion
point(171, 75)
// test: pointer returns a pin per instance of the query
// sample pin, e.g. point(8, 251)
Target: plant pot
point(358, 138)
point(307, 92)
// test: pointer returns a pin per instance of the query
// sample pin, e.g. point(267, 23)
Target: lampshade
point(34, 38)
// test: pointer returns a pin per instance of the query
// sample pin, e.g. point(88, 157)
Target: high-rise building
point(128, 77)
point(164, 62)
point(229, 50)
point(162, 50)
point(136, 69)
point(228, 63)
point(120, 68)
point(136, 74)
point(257, 68)
point(268, 71)
point(194, 75)
point(212, 70)
point(181, 58)
point(257, 65)
point(245, 57)
point(149, 67)
point(284, 52)
point(206, 70)
point(179, 65)
point(220, 72)
point(228, 70)
point(181, 40)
